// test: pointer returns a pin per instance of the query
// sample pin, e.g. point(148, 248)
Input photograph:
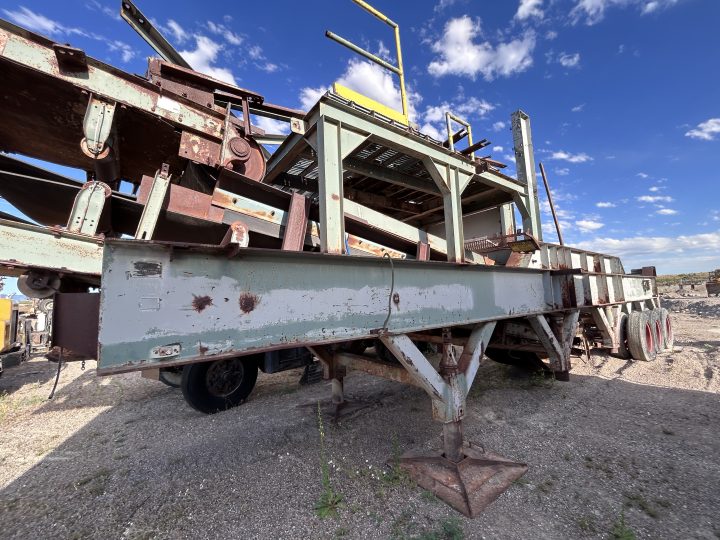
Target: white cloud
point(376, 83)
point(106, 10)
point(605, 204)
point(578, 108)
point(654, 5)
point(127, 53)
point(643, 175)
point(271, 126)
point(268, 67)
point(659, 245)
point(655, 198)
point(177, 31)
point(529, 8)
point(310, 96)
point(499, 126)
point(593, 11)
point(498, 149)
point(705, 131)
point(562, 171)
point(203, 58)
point(467, 108)
point(40, 23)
point(228, 35)
point(561, 155)
point(255, 52)
point(589, 225)
point(654, 189)
point(442, 4)
point(569, 60)
point(551, 34)
point(460, 55)
point(666, 212)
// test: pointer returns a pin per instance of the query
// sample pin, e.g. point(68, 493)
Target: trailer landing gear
point(465, 476)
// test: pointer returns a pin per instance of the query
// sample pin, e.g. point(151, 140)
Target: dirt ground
point(623, 449)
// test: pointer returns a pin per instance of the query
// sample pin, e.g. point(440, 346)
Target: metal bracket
point(558, 349)
point(154, 204)
point(97, 127)
point(88, 208)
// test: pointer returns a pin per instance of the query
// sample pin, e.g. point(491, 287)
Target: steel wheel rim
point(224, 377)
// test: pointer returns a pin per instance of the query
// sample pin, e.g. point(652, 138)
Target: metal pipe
point(552, 205)
point(401, 72)
point(384, 18)
point(453, 441)
point(370, 56)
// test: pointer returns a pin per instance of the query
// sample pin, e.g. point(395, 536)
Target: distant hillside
point(675, 279)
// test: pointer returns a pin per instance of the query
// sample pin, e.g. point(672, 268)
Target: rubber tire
point(197, 395)
point(668, 332)
point(658, 336)
point(525, 360)
point(623, 351)
point(171, 377)
point(639, 332)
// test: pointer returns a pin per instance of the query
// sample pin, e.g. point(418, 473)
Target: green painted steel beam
point(168, 305)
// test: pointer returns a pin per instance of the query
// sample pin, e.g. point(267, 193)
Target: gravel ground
point(624, 445)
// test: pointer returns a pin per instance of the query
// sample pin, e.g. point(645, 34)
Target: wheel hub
point(224, 377)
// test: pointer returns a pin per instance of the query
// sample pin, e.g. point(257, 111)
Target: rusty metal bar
point(552, 204)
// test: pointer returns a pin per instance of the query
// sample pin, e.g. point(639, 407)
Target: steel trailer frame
point(168, 304)
point(165, 304)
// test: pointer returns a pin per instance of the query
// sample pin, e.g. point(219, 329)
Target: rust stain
point(335, 197)
point(199, 303)
point(248, 302)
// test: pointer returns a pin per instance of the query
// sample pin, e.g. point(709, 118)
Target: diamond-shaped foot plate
point(469, 485)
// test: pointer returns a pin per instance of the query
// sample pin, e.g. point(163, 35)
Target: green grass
point(621, 531)
point(329, 502)
point(635, 500)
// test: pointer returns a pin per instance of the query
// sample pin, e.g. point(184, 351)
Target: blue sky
point(624, 95)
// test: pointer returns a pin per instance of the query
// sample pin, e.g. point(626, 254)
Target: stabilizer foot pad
point(469, 485)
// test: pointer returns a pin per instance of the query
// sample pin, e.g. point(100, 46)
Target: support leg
point(465, 476)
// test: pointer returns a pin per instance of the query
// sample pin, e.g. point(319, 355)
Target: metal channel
point(173, 304)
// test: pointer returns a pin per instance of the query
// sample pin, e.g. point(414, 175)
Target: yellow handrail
point(398, 69)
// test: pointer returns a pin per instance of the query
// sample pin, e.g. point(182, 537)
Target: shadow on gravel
point(16, 377)
point(149, 467)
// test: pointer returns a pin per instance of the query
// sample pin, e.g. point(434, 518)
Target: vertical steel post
point(332, 219)
point(525, 163)
point(452, 429)
point(154, 204)
point(454, 235)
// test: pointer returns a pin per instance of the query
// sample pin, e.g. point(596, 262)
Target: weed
point(329, 501)
point(397, 474)
point(621, 531)
point(541, 379)
point(450, 529)
point(587, 524)
point(341, 532)
point(546, 486)
point(638, 501)
point(429, 496)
